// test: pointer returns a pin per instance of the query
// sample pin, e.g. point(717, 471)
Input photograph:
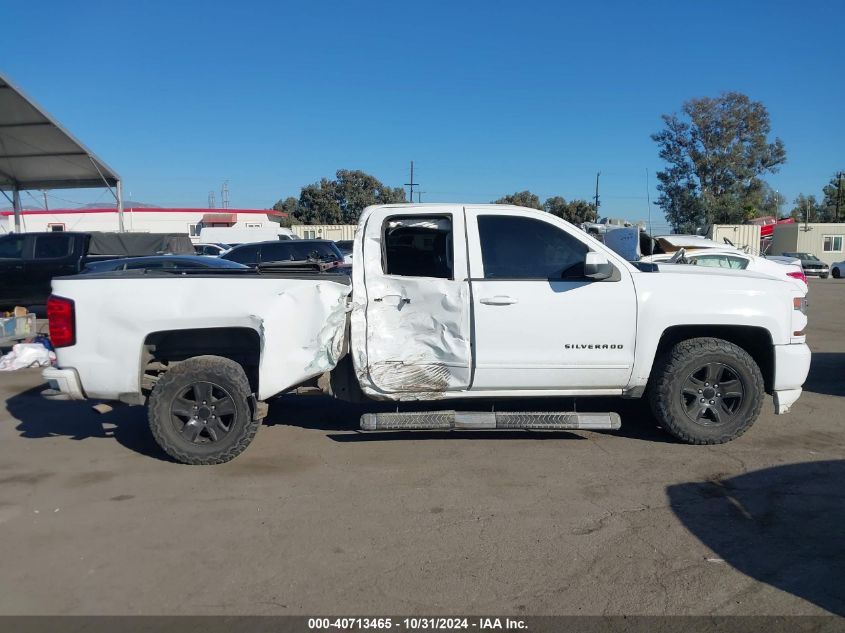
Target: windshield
point(300, 251)
point(345, 246)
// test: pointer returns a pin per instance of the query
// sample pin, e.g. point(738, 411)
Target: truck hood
point(702, 271)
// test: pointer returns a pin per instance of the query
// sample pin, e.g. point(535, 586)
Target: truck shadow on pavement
point(826, 374)
point(326, 414)
point(782, 526)
point(41, 418)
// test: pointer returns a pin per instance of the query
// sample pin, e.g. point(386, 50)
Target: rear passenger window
point(52, 246)
point(514, 247)
point(418, 246)
point(247, 255)
point(11, 247)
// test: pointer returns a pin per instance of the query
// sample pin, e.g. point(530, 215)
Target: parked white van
point(235, 235)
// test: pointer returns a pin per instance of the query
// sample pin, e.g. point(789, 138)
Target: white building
point(140, 220)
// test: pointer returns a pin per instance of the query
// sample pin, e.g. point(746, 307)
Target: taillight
point(61, 321)
point(798, 275)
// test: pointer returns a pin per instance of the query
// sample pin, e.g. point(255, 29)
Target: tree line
point(341, 201)
point(717, 151)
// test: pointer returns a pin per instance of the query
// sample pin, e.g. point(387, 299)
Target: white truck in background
point(445, 301)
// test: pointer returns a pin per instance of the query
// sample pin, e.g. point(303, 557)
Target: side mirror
point(596, 266)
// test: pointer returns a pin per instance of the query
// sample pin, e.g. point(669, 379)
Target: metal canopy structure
point(37, 153)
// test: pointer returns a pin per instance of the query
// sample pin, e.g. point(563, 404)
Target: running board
point(447, 420)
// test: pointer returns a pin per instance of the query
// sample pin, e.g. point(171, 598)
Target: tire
point(199, 411)
point(836, 274)
point(687, 400)
point(824, 276)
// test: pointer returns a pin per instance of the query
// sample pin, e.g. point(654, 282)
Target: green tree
point(341, 201)
point(289, 206)
point(806, 209)
point(521, 199)
point(574, 211)
point(715, 151)
point(832, 194)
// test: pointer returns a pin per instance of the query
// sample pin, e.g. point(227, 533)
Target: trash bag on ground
point(24, 355)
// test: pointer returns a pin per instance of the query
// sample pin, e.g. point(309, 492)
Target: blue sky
point(486, 97)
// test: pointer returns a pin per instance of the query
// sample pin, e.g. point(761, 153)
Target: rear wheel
point(706, 391)
point(836, 274)
point(199, 411)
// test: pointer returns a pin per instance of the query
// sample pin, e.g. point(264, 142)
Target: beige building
point(745, 236)
point(824, 240)
point(336, 232)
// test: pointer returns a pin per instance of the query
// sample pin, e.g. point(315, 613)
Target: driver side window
point(516, 247)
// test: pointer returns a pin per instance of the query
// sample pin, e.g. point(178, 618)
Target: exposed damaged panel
point(415, 329)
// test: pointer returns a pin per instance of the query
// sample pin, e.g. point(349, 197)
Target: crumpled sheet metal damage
point(314, 312)
point(329, 342)
point(412, 351)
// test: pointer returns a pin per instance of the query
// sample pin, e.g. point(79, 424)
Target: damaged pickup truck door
point(417, 301)
point(541, 320)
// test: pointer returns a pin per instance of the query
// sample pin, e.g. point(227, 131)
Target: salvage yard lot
point(317, 518)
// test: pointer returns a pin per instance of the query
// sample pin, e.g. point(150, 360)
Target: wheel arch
point(162, 349)
point(757, 341)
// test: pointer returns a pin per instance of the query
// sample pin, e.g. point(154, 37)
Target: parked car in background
point(811, 264)
point(29, 261)
point(237, 235)
point(157, 262)
point(305, 251)
point(211, 250)
point(345, 247)
point(837, 269)
point(730, 258)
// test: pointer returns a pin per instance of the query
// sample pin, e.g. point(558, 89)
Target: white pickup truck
point(446, 301)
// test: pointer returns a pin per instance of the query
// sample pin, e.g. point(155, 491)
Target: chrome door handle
point(400, 297)
point(498, 300)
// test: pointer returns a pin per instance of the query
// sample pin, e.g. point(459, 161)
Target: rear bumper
point(816, 272)
point(792, 364)
point(64, 384)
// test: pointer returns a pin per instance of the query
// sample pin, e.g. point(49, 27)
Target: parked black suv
point(305, 251)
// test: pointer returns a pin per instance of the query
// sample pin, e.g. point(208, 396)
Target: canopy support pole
point(16, 205)
point(119, 196)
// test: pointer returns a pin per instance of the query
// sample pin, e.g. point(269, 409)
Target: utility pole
point(597, 193)
point(419, 196)
point(412, 184)
point(838, 196)
point(212, 203)
point(47, 208)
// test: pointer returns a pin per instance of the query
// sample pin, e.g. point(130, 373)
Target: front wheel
point(706, 391)
point(836, 274)
point(199, 411)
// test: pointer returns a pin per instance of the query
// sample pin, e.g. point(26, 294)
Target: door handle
point(498, 300)
point(400, 297)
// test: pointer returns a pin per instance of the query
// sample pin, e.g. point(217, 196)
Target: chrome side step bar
point(448, 420)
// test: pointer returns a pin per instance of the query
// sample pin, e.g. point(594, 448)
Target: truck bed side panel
point(300, 323)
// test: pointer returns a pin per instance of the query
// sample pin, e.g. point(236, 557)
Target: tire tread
point(157, 409)
point(667, 368)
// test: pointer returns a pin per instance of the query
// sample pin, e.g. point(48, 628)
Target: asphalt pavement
point(317, 518)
